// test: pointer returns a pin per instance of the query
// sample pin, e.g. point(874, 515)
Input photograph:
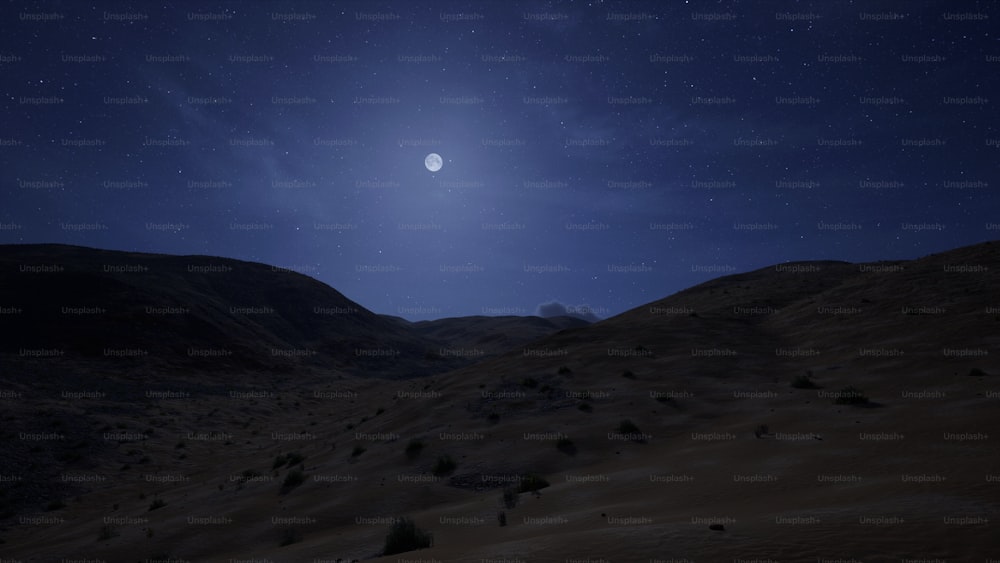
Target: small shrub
point(631, 431)
point(627, 374)
point(850, 396)
point(502, 518)
point(564, 370)
point(379, 411)
point(803, 382)
point(289, 536)
point(414, 448)
point(294, 478)
point(761, 430)
point(282, 459)
point(531, 483)
point(493, 417)
point(404, 535)
point(529, 382)
point(444, 465)
point(566, 446)
point(179, 445)
point(107, 532)
point(157, 503)
point(976, 372)
point(358, 450)
point(55, 505)
point(69, 457)
point(585, 407)
point(510, 497)
point(295, 458)
point(628, 427)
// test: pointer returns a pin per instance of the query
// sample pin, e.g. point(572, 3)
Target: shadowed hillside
point(152, 311)
point(800, 412)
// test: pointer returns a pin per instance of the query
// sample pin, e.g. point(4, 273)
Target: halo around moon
point(433, 162)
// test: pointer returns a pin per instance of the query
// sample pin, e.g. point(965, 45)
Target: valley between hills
point(195, 408)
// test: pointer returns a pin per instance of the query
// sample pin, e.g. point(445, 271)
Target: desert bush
point(289, 536)
point(444, 465)
point(107, 532)
point(850, 395)
point(628, 427)
point(509, 497)
point(493, 417)
point(414, 448)
point(761, 430)
point(404, 535)
point(157, 503)
point(976, 372)
point(627, 374)
point(293, 479)
point(69, 457)
point(564, 370)
point(295, 458)
point(282, 459)
point(531, 483)
point(585, 407)
point(803, 382)
point(55, 505)
point(566, 446)
point(529, 382)
point(358, 450)
point(502, 518)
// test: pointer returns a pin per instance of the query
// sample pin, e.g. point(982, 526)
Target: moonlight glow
point(433, 162)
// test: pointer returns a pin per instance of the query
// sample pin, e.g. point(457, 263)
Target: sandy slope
point(914, 477)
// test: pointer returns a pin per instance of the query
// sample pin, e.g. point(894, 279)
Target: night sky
point(595, 154)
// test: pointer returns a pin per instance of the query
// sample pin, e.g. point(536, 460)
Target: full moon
point(433, 162)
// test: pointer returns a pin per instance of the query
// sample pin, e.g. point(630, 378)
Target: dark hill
point(155, 312)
